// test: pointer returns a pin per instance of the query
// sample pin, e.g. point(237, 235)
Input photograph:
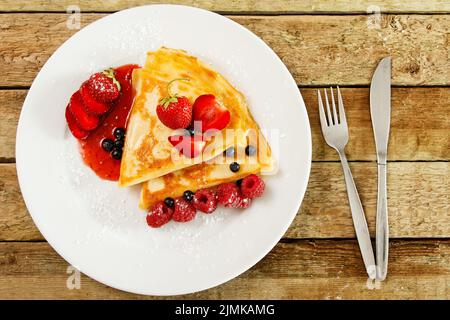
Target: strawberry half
point(104, 87)
point(189, 146)
point(91, 105)
point(73, 126)
point(84, 120)
point(210, 113)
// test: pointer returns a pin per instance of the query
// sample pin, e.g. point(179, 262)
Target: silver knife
point(380, 112)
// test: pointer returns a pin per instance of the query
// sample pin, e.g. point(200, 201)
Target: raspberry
point(244, 202)
point(205, 200)
point(228, 195)
point(183, 211)
point(252, 186)
point(159, 215)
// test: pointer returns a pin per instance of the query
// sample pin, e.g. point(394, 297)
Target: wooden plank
point(249, 6)
point(15, 221)
point(419, 127)
point(317, 50)
point(299, 270)
point(418, 202)
point(10, 105)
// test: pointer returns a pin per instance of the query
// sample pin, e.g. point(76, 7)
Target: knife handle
point(359, 220)
point(382, 228)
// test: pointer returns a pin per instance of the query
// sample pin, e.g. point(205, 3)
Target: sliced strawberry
point(91, 105)
point(84, 120)
point(210, 113)
point(73, 127)
point(189, 146)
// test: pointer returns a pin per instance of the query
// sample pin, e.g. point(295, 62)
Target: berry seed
point(119, 133)
point(116, 153)
point(107, 144)
point(230, 152)
point(191, 130)
point(235, 167)
point(250, 150)
point(169, 202)
point(188, 195)
point(118, 144)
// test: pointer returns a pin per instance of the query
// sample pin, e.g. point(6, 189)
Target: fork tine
point(323, 119)
point(330, 121)
point(342, 118)
point(333, 104)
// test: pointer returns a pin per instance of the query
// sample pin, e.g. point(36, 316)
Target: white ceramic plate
point(96, 226)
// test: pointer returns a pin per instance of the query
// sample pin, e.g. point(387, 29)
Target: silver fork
point(335, 132)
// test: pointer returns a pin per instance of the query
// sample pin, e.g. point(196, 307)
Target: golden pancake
point(211, 173)
point(147, 151)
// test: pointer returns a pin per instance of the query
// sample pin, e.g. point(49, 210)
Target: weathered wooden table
point(322, 43)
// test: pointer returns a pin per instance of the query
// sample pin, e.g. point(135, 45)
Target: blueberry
point(116, 153)
point(118, 144)
point(119, 133)
point(169, 202)
point(230, 152)
point(107, 144)
point(250, 150)
point(188, 195)
point(239, 182)
point(191, 130)
point(235, 167)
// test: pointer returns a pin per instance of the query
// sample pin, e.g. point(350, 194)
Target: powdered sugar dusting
point(115, 211)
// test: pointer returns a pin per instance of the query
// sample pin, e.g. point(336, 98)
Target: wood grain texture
point(317, 50)
point(418, 200)
point(10, 105)
point(15, 221)
point(318, 258)
point(420, 124)
point(300, 270)
point(241, 6)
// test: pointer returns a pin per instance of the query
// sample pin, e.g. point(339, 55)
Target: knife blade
point(380, 112)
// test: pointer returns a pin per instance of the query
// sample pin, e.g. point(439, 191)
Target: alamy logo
point(74, 279)
point(74, 20)
point(374, 19)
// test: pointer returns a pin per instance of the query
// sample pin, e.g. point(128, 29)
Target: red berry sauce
point(91, 149)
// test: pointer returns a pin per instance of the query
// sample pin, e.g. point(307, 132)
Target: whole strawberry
point(174, 111)
point(104, 87)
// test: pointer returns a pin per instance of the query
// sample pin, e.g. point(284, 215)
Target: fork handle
point(359, 219)
point(382, 228)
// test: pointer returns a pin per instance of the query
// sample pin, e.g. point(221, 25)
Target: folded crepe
point(213, 172)
point(147, 152)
